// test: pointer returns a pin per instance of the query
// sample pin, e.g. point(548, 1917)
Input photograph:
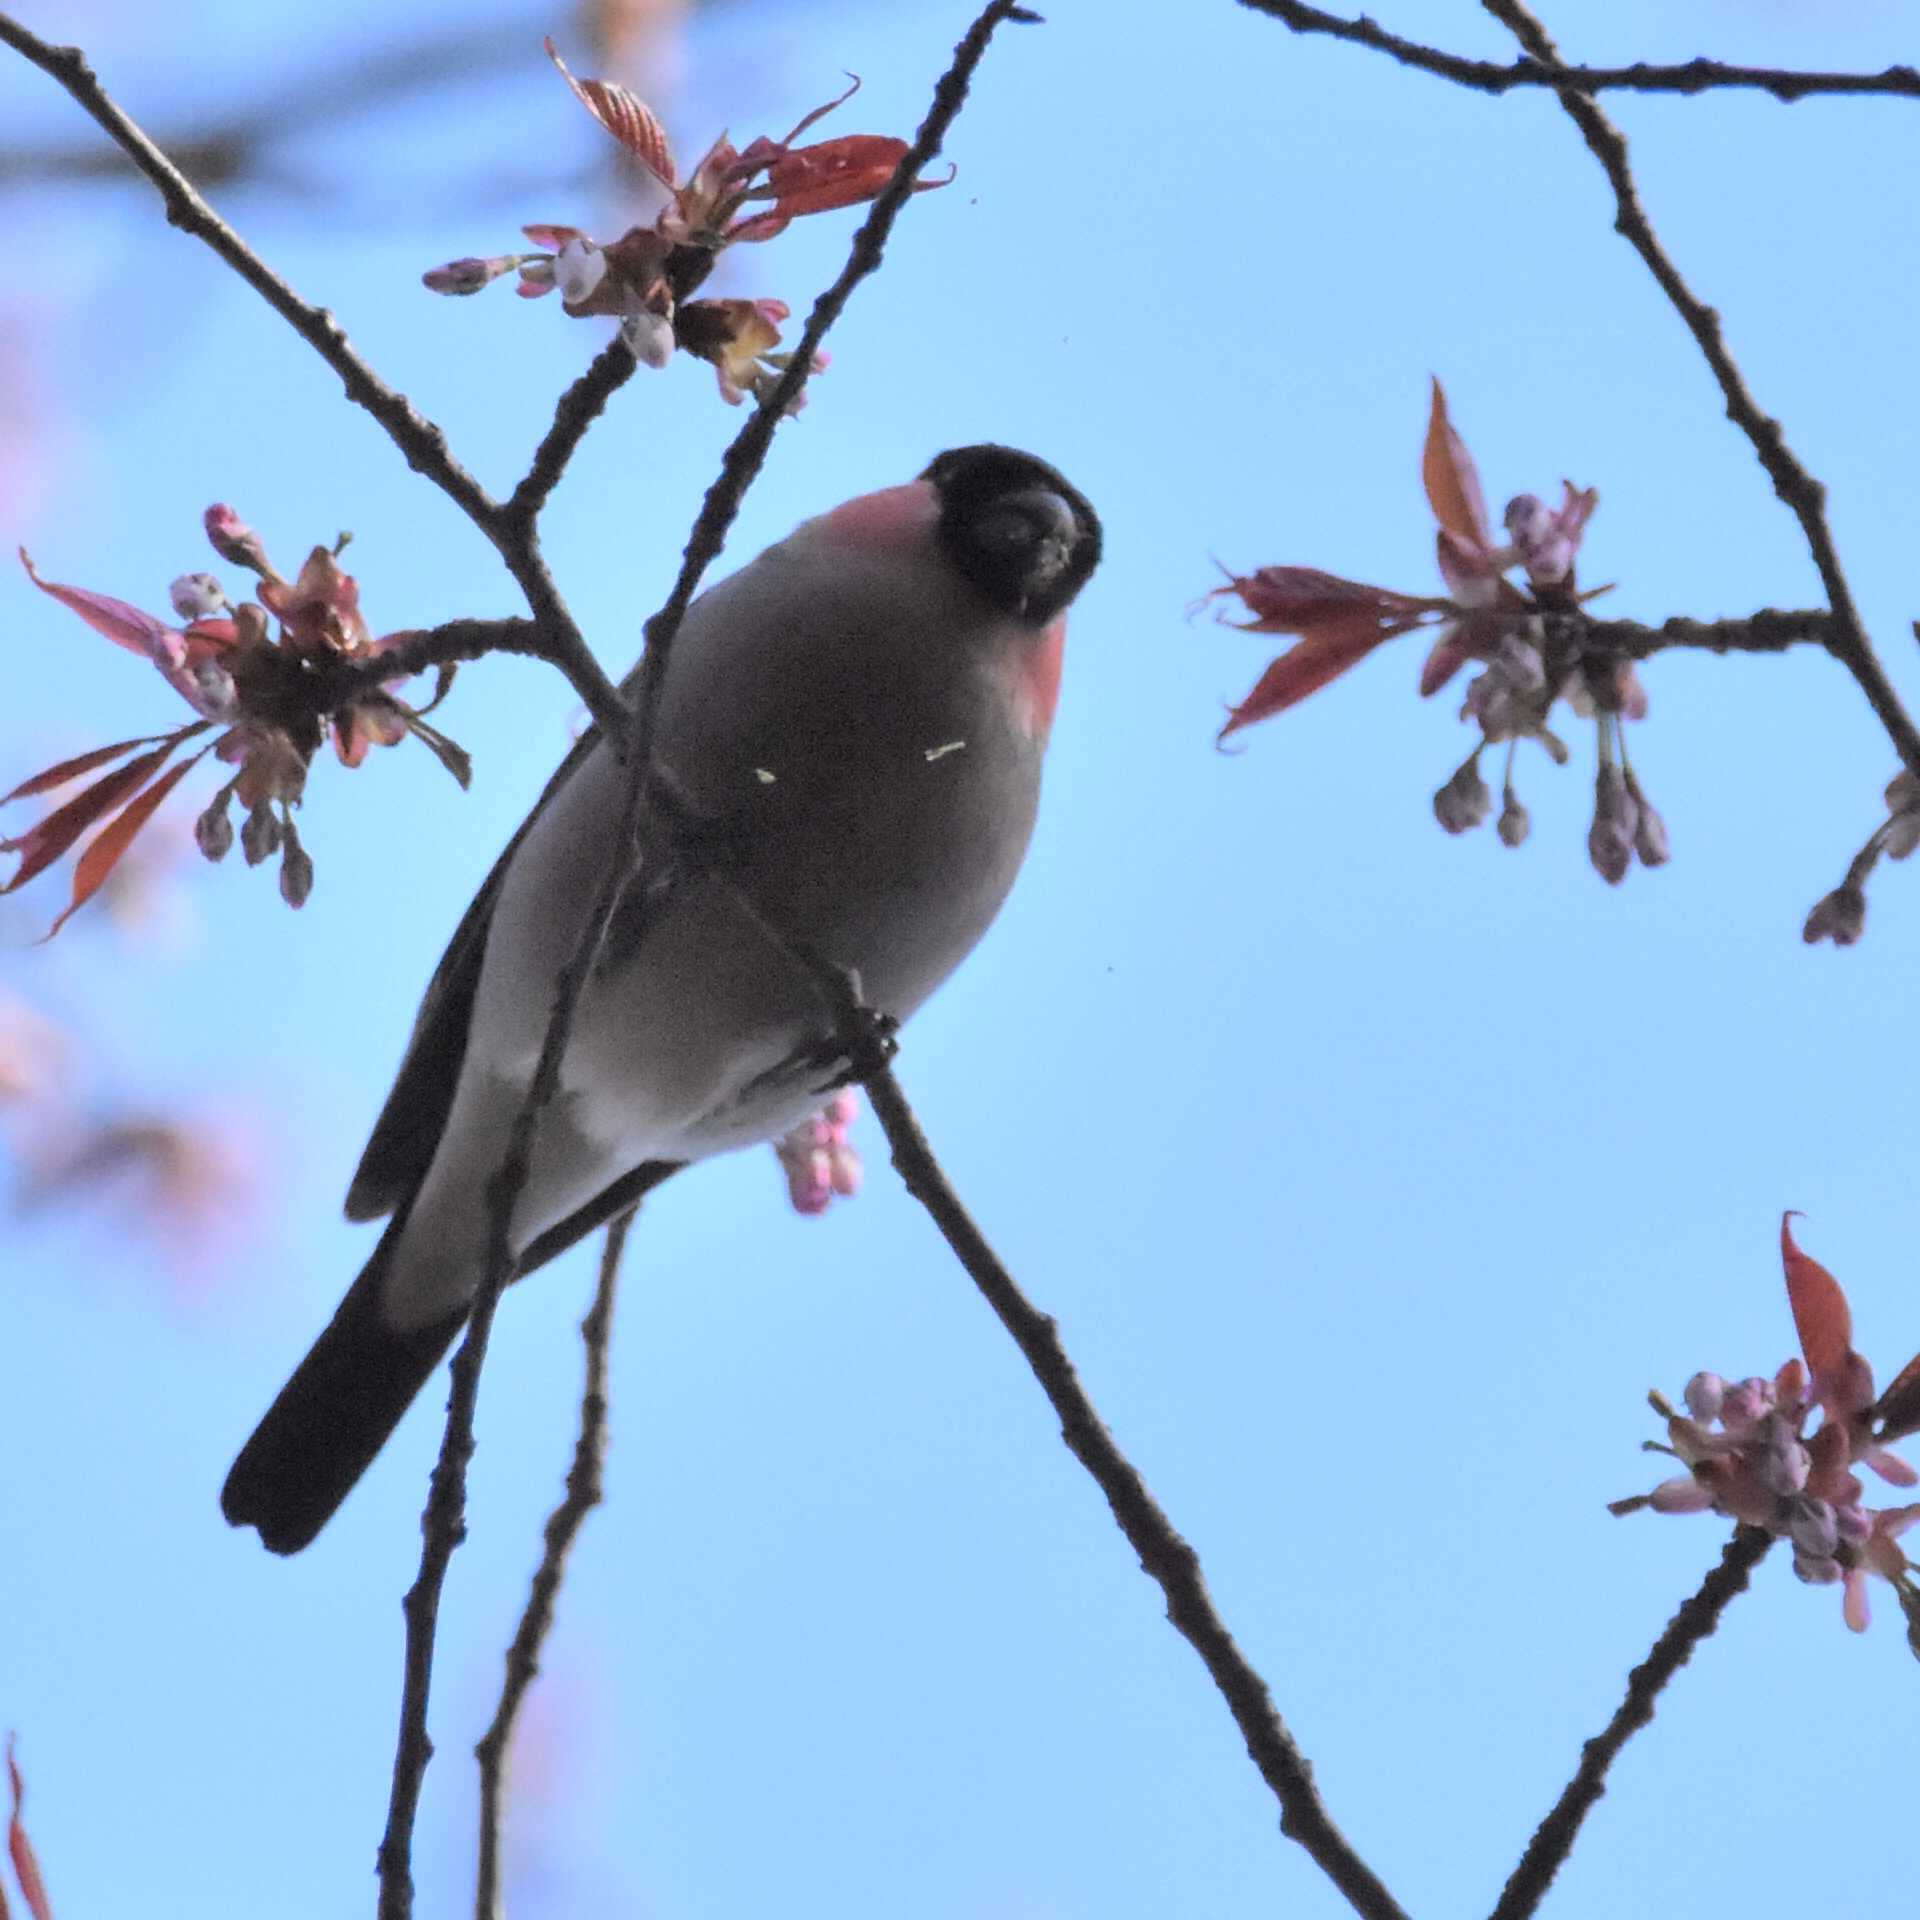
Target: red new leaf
point(105, 850)
point(1820, 1313)
point(58, 776)
point(836, 173)
point(1453, 485)
point(1302, 599)
point(45, 841)
point(1323, 655)
point(26, 1867)
point(624, 115)
point(125, 626)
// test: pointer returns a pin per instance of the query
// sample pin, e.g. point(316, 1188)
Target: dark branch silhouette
point(1491, 76)
point(583, 1494)
point(1548, 1849)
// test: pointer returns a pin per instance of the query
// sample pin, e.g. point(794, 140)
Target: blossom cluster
point(645, 278)
point(263, 697)
point(1746, 1452)
point(818, 1156)
point(1524, 634)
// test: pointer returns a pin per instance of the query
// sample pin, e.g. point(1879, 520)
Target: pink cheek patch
point(1036, 690)
point(894, 517)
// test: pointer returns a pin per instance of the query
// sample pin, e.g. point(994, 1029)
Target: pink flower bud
point(1852, 1524)
point(1682, 1494)
point(1465, 801)
point(468, 275)
point(234, 541)
point(1514, 824)
point(211, 690)
point(260, 836)
point(1840, 916)
point(649, 336)
point(213, 831)
point(1520, 664)
point(1704, 1394)
point(1778, 1460)
point(1610, 850)
point(296, 870)
point(1812, 1526)
point(1901, 835)
point(1650, 838)
point(1746, 1404)
point(195, 595)
point(1615, 817)
point(578, 269)
point(1814, 1570)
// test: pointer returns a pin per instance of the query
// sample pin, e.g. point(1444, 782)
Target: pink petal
point(1890, 1467)
point(1853, 1605)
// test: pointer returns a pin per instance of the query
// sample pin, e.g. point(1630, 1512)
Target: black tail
point(335, 1414)
point(352, 1390)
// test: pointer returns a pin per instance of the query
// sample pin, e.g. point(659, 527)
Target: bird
point(850, 732)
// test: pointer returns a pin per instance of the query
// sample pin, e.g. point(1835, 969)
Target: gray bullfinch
point(857, 721)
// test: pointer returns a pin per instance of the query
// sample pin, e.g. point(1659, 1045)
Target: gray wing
point(407, 1134)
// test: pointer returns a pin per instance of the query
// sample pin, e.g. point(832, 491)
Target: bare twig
point(444, 1524)
point(563, 1526)
point(1768, 631)
point(1548, 1849)
point(1804, 496)
point(1491, 76)
point(417, 437)
point(1165, 1555)
point(579, 407)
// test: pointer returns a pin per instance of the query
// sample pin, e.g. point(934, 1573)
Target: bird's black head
point(1017, 531)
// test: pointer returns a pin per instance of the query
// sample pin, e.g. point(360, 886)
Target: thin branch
point(329, 680)
point(1491, 76)
point(1165, 1555)
point(1768, 631)
point(417, 437)
point(444, 1524)
point(579, 407)
point(584, 1493)
point(1548, 1849)
point(1804, 496)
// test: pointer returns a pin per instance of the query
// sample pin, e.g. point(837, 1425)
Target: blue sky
point(1374, 1176)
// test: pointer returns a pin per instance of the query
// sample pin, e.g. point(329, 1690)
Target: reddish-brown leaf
point(1453, 485)
point(835, 173)
point(1820, 1312)
point(26, 1867)
point(58, 776)
point(1898, 1409)
point(45, 841)
point(624, 115)
point(1323, 655)
point(104, 851)
point(1303, 599)
point(1450, 653)
point(125, 626)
